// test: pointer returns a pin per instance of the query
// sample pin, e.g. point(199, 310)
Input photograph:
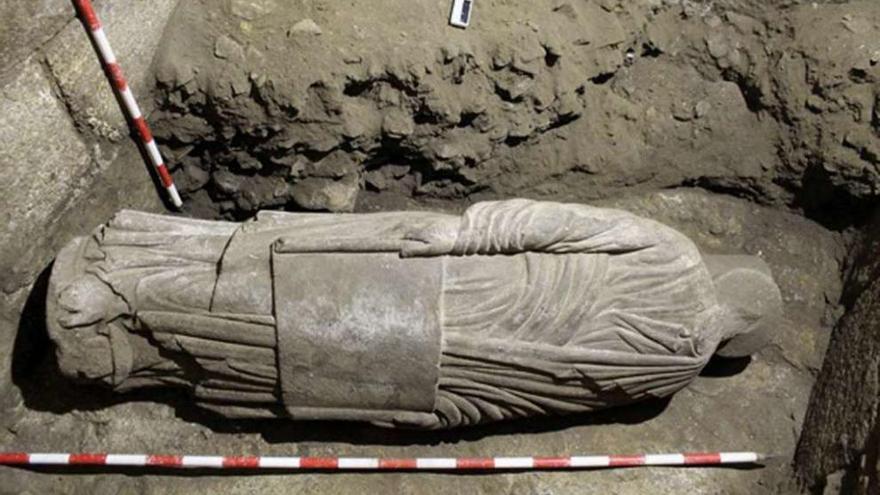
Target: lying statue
point(411, 319)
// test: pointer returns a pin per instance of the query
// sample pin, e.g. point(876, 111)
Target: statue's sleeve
point(513, 226)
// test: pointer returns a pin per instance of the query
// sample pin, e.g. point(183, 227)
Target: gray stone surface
point(46, 165)
point(27, 25)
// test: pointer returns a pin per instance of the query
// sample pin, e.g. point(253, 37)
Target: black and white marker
point(461, 13)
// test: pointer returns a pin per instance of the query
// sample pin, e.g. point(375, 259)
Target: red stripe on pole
point(88, 459)
point(241, 462)
point(164, 176)
point(397, 464)
point(552, 462)
point(319, 462)
point(87, 12)
point(14, 458)
point(114, 71)
point(475, 463)
point(626, 460)
point(165, 460)
point(702, 458)
point(143, 129)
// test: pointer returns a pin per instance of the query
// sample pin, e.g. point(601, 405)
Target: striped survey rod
point(86, 12)
point(383, 464)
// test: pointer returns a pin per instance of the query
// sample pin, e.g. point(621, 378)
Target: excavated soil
point(318, 107)
point(751, 126)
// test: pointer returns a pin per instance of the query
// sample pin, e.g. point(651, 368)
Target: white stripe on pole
point(125, 460)
point(175, 196)
point(153, 151)
point(279, 462)
point(435, 463)
point(104, 46)
point(664, 459)
point(202, 461)
point(515, 462)
point(590, 461)
point(49, 458)
point(358, 463)
point(729, 457)
point(130, 103)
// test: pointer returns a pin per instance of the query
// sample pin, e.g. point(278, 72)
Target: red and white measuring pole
point(86, 12)
point(384, 464)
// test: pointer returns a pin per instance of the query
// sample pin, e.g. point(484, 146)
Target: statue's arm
point(493, 227)
point(519, 225)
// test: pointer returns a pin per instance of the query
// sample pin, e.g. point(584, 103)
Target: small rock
point(196, 177)
point(567, 9)
point(298, 169)
point(240, 83)
point(502, 57)
point(713, 21)
point(745, 24)
point(247, 201)
point(175, 73)
point(335, 165)
point(247, 162)
point(701, 109)
point(226, 182)
point(377, 179)
point(717, 45)
point(513, 89)
point(397, 171)
point(609, 5)
point(849, 23)
point(282, 189)
point(226, 206)
point(227, 48)
point(682, 111)
point(305, 26)
point(815, 103)
point(251, 9)
point(397, 124)
point(450, 52)
point(316, 193)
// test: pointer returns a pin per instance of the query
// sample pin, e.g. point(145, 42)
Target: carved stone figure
point(516, 308)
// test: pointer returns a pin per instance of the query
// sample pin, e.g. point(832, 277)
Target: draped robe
point(547, 308)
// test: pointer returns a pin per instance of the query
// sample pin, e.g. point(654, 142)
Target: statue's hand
point(86, 301)
point(434, 239)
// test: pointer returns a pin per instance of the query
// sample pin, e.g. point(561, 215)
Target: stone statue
point(411, 319)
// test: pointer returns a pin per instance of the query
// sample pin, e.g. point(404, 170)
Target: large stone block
point(134, 29)
point(44, 163)
point(27, 25)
